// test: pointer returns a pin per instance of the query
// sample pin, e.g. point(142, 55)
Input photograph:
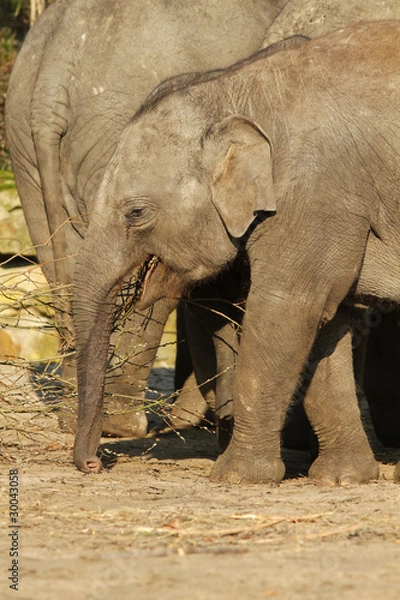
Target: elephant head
point(171, 211)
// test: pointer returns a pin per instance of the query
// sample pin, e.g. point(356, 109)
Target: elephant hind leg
point(192, 404)
point(190, 408)
point(331, 404)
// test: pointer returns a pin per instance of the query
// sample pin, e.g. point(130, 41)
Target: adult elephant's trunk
point(97, 279)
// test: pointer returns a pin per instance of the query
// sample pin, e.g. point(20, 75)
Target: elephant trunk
point(97, 280)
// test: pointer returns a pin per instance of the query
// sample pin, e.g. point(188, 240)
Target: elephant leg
point(190, 407)
point(183, 362)
point(381, 380)
point(331, 404)
point(134, 350)
point(272, 357)
point(30, 192)
point(272, 354)
point(361, 330)
point(226, 343)
point(210, 327)
point(216, 316)
point(219, 322)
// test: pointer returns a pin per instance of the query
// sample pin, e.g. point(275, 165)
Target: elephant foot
point(246, 467)
point(119, 422)
point(125, 424)
point(188, 410)
point(343, 469)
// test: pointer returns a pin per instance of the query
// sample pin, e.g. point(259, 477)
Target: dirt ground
point(153, 526)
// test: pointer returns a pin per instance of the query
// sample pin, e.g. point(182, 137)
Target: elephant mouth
point(152, 281)
point(158, 281)
point(142, 279)
point(132, 290)
point(145, 272)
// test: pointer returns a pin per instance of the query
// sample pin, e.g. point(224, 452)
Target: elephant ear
point(242, 183)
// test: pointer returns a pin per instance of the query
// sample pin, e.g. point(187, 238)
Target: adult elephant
point(83, 71)
point(316, 17)
point(303, 141)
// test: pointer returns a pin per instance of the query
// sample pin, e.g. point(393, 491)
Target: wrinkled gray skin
point(313, 18)
point(377, 340)
point(306, 138)
point(213, 316)
point(84, 69)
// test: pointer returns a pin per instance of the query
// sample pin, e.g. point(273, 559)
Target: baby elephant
point(295, 157)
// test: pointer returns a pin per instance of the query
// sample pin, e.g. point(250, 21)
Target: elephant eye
point(136, 213)
point(140, 215)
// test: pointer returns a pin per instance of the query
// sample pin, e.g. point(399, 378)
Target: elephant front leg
point(197, 386)
point(276, 340)
point(226, 343)
point(190, 407)
point(134, 348)
point(331, 404)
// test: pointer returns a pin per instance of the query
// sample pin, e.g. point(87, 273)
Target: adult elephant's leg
point(30, 191)
point(134, 349)
point(45, 241)
point(183, 363)
point(212, 319)
point(331, 403)
point(190, 407)
point(226, 342)
point(215, 315)
point(381, 379)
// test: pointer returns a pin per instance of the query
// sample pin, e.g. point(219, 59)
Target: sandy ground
point(153, 526)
